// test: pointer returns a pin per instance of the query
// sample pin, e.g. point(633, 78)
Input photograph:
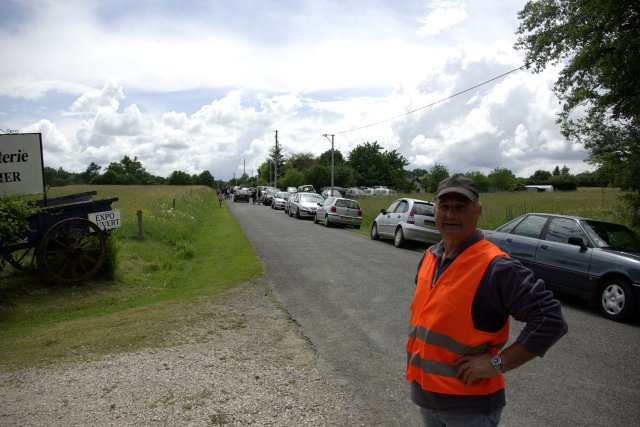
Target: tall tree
point(540, 177)
point(373, 167)
point(598, 43)
point(180, 178)
point(205, 178)
point(502, 179)
point(480, 179)
point(301, 161)
point(325, 158)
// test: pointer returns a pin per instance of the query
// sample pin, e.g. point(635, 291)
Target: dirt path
point(251, 366)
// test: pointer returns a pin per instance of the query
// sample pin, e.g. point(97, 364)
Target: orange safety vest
point(442, 328)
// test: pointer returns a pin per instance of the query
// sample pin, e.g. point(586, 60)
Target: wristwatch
point(496, 362)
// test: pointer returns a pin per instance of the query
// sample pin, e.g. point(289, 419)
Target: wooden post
point(140, 228)
point(174, 203)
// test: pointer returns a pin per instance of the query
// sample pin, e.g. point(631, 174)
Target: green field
point(191, 251)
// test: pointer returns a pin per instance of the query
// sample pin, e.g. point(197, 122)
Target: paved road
point(351, 296)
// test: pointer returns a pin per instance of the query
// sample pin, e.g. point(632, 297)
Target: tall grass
point(191, 251)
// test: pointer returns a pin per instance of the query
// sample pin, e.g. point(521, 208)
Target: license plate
point(345, 218)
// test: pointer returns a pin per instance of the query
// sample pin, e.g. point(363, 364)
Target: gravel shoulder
point(250, 366)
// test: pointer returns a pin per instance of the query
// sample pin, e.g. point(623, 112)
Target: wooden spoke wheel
point(22, 256)
point(71, 251)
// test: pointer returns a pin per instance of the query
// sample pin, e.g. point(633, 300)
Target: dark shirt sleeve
point(510, 289)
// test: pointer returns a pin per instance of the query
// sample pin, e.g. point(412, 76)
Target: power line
point(433, 103)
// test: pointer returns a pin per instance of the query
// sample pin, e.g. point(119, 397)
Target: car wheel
point(374, 232)
point(315, 219)
point(398, 240)
point(297, 213)
point(326, 221)
point(617, 301)
point(357, 227)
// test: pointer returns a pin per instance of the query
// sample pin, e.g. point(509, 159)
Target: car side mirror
point(578, 241)
point(383, 211)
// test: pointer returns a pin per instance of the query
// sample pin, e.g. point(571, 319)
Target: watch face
point(496, 360)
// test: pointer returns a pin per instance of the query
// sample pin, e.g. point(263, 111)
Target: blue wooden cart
point(63, 245)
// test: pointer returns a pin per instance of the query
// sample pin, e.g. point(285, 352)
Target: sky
point(195, 85)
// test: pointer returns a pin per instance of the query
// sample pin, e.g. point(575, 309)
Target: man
point(466, 290)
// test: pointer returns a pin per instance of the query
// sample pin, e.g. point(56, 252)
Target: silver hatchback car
point(338, 210)
point(304, 204)
point(406, 219)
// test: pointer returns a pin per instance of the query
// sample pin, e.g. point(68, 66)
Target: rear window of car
point(311, 198)
point(351, 204)
point(423, 209)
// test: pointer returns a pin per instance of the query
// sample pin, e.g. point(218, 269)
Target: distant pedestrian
point(253, 196)
point(221, 197)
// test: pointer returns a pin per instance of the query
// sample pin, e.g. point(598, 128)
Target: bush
point(14, 212)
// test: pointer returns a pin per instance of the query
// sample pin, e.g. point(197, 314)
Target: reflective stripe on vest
point(442, 326)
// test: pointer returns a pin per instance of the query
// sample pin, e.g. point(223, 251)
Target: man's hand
point(474, 367)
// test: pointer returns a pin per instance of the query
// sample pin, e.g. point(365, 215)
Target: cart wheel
point(71, 251)
point(22, 256)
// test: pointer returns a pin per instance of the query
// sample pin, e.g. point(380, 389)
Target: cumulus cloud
point(206, 88)
point(445, 14)
point(92, 101)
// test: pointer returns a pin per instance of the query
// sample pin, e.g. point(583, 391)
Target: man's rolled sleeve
point(514, 290)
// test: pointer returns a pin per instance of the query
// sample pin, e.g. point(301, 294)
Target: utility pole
point(332, 166)
point(275, 155)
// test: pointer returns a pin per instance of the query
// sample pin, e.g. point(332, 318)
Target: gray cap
point(459, 184)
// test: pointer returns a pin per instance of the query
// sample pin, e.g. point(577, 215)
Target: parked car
point(304, 204)
point(381, 190)
point(268, 195)
point(595, 260)
point(292, 190)
point(353, 192)
point(327, 192)
point(338, 210)
point(241, 193)
point(279, 200)
point(406, 219)
point(306, 189)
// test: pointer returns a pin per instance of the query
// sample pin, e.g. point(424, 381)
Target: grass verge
point(191, 251)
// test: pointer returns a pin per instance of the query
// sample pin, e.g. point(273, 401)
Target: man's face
point(457, 217)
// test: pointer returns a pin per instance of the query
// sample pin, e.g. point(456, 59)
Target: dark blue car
point(596, 260)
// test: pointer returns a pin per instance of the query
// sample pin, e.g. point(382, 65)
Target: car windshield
point(612, 236)
point(311, 198)
point(282, 195)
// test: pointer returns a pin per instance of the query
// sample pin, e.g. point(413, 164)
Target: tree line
point(366, 165)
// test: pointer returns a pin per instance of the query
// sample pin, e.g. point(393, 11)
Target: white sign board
point(21, 163)
point(106, 220)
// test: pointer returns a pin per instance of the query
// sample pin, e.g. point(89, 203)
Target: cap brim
point(458, 190)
